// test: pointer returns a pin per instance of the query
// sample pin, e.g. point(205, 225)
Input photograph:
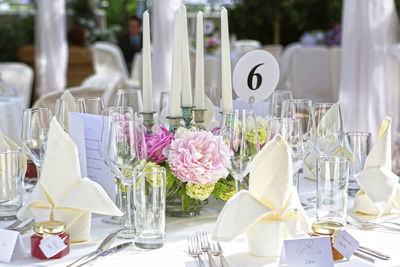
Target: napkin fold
point(62, 194)
point(271, 210)
point(68, 106)
point(380, 189)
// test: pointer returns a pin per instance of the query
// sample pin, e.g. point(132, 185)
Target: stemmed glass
point(35, 129)
point(277, 99)
point(64, 106)
point(239, 131)
point(94, 105)
point(163, 110)
point(129, 98)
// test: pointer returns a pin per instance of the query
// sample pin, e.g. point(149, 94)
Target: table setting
point(116, 185)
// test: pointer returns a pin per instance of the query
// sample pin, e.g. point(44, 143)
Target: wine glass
point(129, 98)
point(328, 128)
point(94, 105)
point(163, 109)
point(119, 149)
point(240, 133)
point(273, 128)
point(35, 129)
point(277, 99)
point(63, 106)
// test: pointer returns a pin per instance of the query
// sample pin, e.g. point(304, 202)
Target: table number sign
point(256, 76)
point(10, 244)
point(307, 252)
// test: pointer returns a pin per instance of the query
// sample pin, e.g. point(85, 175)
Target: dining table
point(174, 253)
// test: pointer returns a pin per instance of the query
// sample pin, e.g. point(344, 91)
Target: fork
point(202, 239)
point(194, 250)
point(13, 225)
point(24, 228)
point(216, 250)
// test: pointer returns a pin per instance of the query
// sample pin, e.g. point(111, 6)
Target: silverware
point(194, 250)
point(373, 253)
point(13, 225)
point(202, 239)
point(108, 252)
point(364, 257)
point(22, 229)
point(364, 225)
point(105, 244)
point(216, 250)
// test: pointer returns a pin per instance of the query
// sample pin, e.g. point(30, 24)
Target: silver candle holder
point(187, 115)
point(174, 123)
point(199, 118)
point(148, 120)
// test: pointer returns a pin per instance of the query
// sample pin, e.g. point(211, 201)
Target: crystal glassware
point(63, 106)
point(358, 145)
point(163, 109)
point(277, 98)
point(94, 105)
point(35, 129)
point(239, 131)
point(11, 184)
point(149, 202)
point(129, 98)
point(332, 183)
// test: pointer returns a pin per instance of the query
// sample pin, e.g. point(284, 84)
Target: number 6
point(258, 77)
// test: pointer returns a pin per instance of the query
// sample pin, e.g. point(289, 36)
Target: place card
point(84, 130)
point(52, 245)
point(307, 252)
point(345, 244)
point(10, 244)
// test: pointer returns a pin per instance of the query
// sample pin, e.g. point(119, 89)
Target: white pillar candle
point(175, 96)
point(146, 71)
point(186, 78)
point(226, 82)
point(199, 83)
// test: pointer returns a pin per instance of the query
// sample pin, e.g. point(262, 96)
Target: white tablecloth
point(174, 252)
point(11, 109)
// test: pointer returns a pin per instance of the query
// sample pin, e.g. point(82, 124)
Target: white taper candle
point(186, 77)
point(175, 96)
point(199, 82)
point(146, 71)
point(226, 79)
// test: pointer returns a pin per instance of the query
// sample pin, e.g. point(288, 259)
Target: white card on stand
point(87, 141)
point(346, 244)
point(10, 244)
point(307, 252)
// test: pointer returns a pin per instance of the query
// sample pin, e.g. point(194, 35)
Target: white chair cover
point(20, 76)
point(11, 109)
point(244, 46)
point(274, 49)
point(108, 57)
point(136, 70)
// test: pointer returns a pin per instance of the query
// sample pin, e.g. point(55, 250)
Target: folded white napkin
point(68, 106)
point(61, 193)
point(380, 189)
point(271, 210)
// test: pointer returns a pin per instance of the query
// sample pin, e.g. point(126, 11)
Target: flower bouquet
point(194, 161)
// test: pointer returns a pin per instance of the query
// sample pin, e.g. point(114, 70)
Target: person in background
point(131, 43)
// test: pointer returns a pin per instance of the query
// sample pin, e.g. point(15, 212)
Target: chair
point(20, 76)
point(244, 46)
point(274, 49)
point(136, 70)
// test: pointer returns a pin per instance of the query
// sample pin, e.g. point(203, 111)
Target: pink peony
point(156, 142)
point(199, 157)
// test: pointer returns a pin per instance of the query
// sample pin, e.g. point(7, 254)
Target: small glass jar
point(44, 230)
point(328, 229)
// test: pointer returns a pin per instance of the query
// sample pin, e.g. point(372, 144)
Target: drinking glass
point(129, 98)
point(358, 144)
point(149, 202)
point(94, 105)
point(277, 98)
point(120, 152)
point(273, 128)
point(11, 184)
point(35, 129)
point(291, 132)
point(63, 106)
point(332, 183)
point(239, 131)
point(328, 128)
point(163, 109)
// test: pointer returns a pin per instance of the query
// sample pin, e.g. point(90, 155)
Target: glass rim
point(158, 169)
point(128, 90)
point(333, 159)
point(37, 109)
point(94, 98)
point(282, 91)
point(361, 133)
point(14, 151)
point(325, 103)
point(298, 100)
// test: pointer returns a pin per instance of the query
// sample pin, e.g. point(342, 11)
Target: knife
point(108, 252)
point(105, 244)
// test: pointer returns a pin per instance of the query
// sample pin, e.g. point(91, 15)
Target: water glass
point(129, 98)
point(94, 105)
point(163, 109)
point(149, 203)
point(358, 145)
point(10, 184)
point(277, 99)
point(63, 106)
point(332, 183)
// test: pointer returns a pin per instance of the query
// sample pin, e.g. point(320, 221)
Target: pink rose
point(156, 142)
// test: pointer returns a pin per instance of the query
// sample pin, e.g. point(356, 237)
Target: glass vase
point(180, 206)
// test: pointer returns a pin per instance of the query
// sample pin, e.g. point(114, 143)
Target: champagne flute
point(277, 99)
point(94, 105)
point(240, 133)
point(120, 152)
point(63, 106)
point(163, 109)
point(273, 128)
point(35, 129)
point(129, 98)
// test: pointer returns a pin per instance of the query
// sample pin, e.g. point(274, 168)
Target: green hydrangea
point(155, 180)
point(199, 191)
point(226, 196)
point(251, 136)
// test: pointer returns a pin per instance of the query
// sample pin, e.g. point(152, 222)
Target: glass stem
point(296, 178)
point(38, 172)
point(237, 185)
point(128, 217)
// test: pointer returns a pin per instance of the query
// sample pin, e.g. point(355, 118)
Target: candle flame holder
point(174, 123)
point(199, 118)
point(187, 114)
point(148, 120)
